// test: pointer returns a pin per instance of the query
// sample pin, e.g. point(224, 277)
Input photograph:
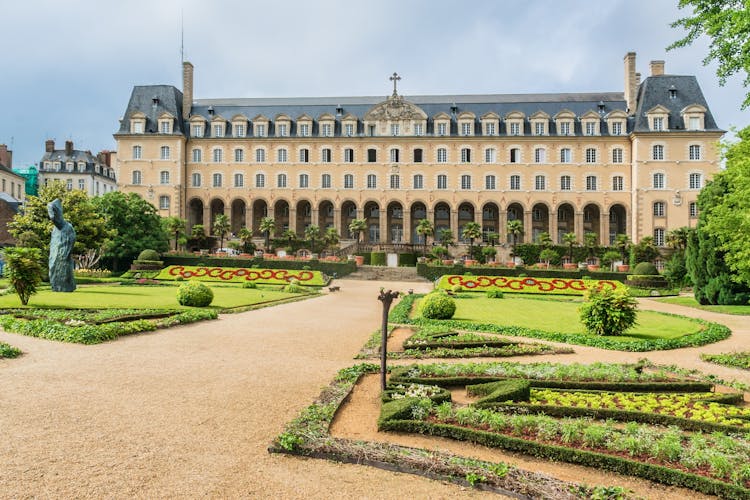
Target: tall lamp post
point(386, 297)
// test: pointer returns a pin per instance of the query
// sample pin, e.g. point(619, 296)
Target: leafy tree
point(32, 227)
point(267, 227)
point(608, 312)
point(544, 239)
point(446, 237)
point(198, 232)
point(727, 24)
point(222, 225)
point(175, 227)
point(590, 241)
point(425, 228)
point(571, 240)
point(137, 225)
point(492, 238)
point(471, 231)
point(23, 270)
point(312, 233)
point(547, 255)
point(678, 238)
point(610, 257)
point(331, 237)
point(643, 251)
point(357, 227)
point(514, 228)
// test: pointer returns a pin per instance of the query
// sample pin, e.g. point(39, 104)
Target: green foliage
point(194, 294)
point(175, 227)
point(149, 254)
point(494, 294)
point(643, 251)
point(437, 305)
point(608, 312)
point(249, 284)
point(8, 351)
point(357, 227)
point(503, 390)
point(609, 257)
point(407, 259)
point(267, 227)
point(312, 233)
point(733, 359)
point(514, 229)
point(377, 259)
point(23, 270)
point(221, 227)
point(645, 268)
point(676, 270)
point(549, 256)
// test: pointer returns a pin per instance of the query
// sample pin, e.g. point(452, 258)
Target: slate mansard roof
point(655, 90)
point(153, 101)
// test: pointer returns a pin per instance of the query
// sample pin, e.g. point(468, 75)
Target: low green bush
point(377, 259)
point(8, 351)
point(608, 312)
point(504, 390)
point(194, 294)
point(23, 271)
point(148, 254)
point(407, 259)
point(495, 294)
point(249, 284)
point(437, 305)
point(646, 268)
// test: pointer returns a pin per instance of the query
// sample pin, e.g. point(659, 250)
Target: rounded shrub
point(194, 294)
point(148, 254)
point(645, 268)
point(457, 288)
point(608, 312)
point(438, 306)
point(249, 284)
point(494, 294)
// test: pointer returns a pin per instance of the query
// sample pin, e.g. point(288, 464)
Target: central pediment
point(395, 108)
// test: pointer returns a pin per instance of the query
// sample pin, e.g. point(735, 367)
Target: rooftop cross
point(395, 78)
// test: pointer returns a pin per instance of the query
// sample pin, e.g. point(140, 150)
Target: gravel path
point(190, 411)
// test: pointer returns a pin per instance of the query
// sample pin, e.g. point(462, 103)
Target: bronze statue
point(61, 250)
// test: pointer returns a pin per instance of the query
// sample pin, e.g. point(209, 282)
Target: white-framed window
point(137, 152)
point(657, 180)
point(514, 128)
point(657, 152)
point(239, 130)
point(281, 180)
point(694, 152)
point(164, 177)
point(657, 123)
point(418, 181)
point(349, 129)
point(659, 236)
point(82, 184)
point(260, 155)
point(197, 130)
point(465, 155)
point(695, 181)
point(260, 130)
point(442, 155)
point(466, 128)
point(395, 181)
point(693, 209)
point(372, 181)
point(282, 130)
point(465, 182)
point(590, 155)
point(68, 185)
point(616, 128)
point(282, 155)
point(490, 182)
point(165, 127)
point(590, 128)
point(218, 130)
point(164, 202)
point(304, 155)
point(197, 155)
point(394, 155)
point(540, 155)
point(348, 181)
point(136, 127)
point(325, 155)
point(303, 130)
point(515, 182)
point(591, 183)
point(618, 183)
point(217, 180)
point(395, 129)
point(442, 181)
point(540, 183)
point(515, 155)
point(694, 123)
point(489, 128)
point(349, 155)
point(442, 129)
point(304, 181)
point(196, 179)
point(417, 155)
point(490, 155)
point(164, 152)
point(217, 155)
point(326, 130)
point(239, 155)
point(565, 155)
point(659, 208)
point(565, 183)
point(617, 155)
point(538, 128)
point(260, 180)
point(564, 128)
point(239, 180)
point(325, 181)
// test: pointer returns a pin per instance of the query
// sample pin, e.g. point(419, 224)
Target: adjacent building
point(629, 161)
point(77, 169)
point(12, 193)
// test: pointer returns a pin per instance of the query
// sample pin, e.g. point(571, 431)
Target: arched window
point(304, 180)
point(281, 180)
point(260, 155)
point(490, 183)
point(325, 181)
point(164, 177)
point(239, 155)
point(348, 181)
point(418, 181)
point(515, 182)
point(465, 182)
point(565, 183)
point(217, 180)
point(239, 180)
point(540, 183)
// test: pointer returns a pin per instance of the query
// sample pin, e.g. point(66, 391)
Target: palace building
point(627, 162)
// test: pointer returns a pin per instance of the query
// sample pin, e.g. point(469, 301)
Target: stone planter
point(470, 262)
point(593, 267)
point(359, 259)
point(623, 268)
point(447, 262)
point(570, 266)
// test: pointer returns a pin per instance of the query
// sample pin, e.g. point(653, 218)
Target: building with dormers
point(77, 169)
point(629, 162)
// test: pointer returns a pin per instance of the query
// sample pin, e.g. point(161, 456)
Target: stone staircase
point(383, 273)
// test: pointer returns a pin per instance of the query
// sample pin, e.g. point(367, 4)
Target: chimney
point(187, 89)
point(630, 81)
point(68, 148)
point(657, 68)
point(6, 156)
point(49, 146)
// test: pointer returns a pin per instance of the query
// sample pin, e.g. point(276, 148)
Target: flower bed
point(553, 286)
point(243, 275)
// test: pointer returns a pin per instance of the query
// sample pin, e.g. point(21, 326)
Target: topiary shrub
point(194, 294)
point(377, 259)
point(645, 268)
point(608, 312)
point(148, 254)
point(437, 305)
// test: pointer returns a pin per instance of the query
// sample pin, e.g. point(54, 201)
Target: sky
point(68, 68)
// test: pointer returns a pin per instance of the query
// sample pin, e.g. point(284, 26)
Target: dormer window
point(326, 122)
point(326, 130)
point(564, 122)
point(197, 130)
point(442, 124)
point(395, 129)
point(466, 123)
point(164, 127)
point(166, 121)
point(304, 126)
point(283, 125)
point(442, 128)
point(81, 166)
point(514, 123)
point(590, 123)
point(490, 124)
point(349, 129)
point(69, 166)
point(137, 123)
point(539, 123)
point(239, 130)
point(693, 117)
point(657, 118)
point(218, 129)
point(260, 126)
point(657, 124)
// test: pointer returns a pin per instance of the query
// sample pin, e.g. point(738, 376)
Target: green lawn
point(562, 316)
point(691, 302)
point(102, 297)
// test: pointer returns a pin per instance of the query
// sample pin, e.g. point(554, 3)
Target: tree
point(591, 241)
point(643, 251)
point(221, 227)
point(137, 224)
point(571, 240)
point(726, 24)
point(678, 238)
point(547, 255)
point(514, 228)
point(198, 232)
point(23, 270)
point(425, 228)
point(331, 237)
point(544, 239)
point(492, 238)
point(471, 231)
point(290, 237)
point(267, 227)
point(357, 227)
point(622, 243)
point(175, 227)
point(608, 312)
point(446, 238)
point(246, 237)
point(32, 227)
point(312, 233)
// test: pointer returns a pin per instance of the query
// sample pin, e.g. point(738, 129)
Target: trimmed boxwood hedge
point(504, 390)
point(377, 259)
point(407, 259)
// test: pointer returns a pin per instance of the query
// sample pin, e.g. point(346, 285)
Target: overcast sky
point(68, 67)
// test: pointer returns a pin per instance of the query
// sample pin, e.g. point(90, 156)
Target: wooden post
point(386, 297)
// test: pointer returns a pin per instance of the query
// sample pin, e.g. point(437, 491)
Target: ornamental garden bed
point(243, 275)
point(551, 286)
point(8, 351)
point(731, 359)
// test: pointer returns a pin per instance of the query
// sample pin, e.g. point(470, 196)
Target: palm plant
point(357, 227)
point(471, 231)
point(425, 228)
point(331, 237)
point(590, 241)
point(290, 237)
point(246, 237)
point(312, 233)
point(571, 240)
point(622, 242)
point(514, 228)
point(221, 228)
point(267, 227)
point(446, 237)
point(175, 226)
point(544, 239)
point(678, 238)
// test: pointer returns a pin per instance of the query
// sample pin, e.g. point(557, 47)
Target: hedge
point(432, 272)
point(504, 390)
point(366, 258)
point(545, 286)
point(407, 259)
point(243, 275)
point(377, 259)
point(339, 269)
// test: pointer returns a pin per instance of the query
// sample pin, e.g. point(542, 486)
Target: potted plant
point(609, 257)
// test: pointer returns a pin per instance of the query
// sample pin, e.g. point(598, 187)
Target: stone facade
point(77, 169)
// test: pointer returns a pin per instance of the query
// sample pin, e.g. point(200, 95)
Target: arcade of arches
point(396, 222)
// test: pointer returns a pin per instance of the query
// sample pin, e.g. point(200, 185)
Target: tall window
point(394, 129)
point(515, 128)
point(694, 123)
point(565, 183)
point(282, 130)
point(540, 183)
point(239, 180)
point(217, 155)
point(465, 155)
point(304, 181)
point(466, 129)
point(348, 181)
point(696, 181)
point(442, 155)
point(695, 152)
point(693, 209)
point(565, 128)
point(658, 180)
point(515, 155)
point(165, 127)
point(395, 181)
point(394, 154)
point(590, 128)
point(657, 124)
point(137, 177)
point(590, 155)
point(617, 183)
point(348, 155)
point(260, 180)
point(260, 155)
point(164, 202)
point(538, 128)
point(442, 181)
point(565, 155)
point(540, 155)
point(442, 129)
point(659, 208)
point(239, 155)
point(659, 237)
point(590, 183)
point(239, 130)
point(260, 130)
point(617, 155)
point(657, 152)
point(197, 130)
point(282, 155)
point(418, 155)
point(465, 182)
point(196, 179)
point(490, 183)
point(325, 181)
point(326, 130)
point(372, 155)
point(304, 155)
point(616, 128)
point(490, 154)
point(515, 182)
point(137, 152)
point(418, 181)
point(281, 180)
point(218, 130)
point(217, 180)
point(164, 152)
point(325, 155)
point(418, 129)
point(164, 177)
point(304, 129)
point(349, 129)
point(489, 129)
point(197, 154)
point(372, 181)
point(81, 184)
